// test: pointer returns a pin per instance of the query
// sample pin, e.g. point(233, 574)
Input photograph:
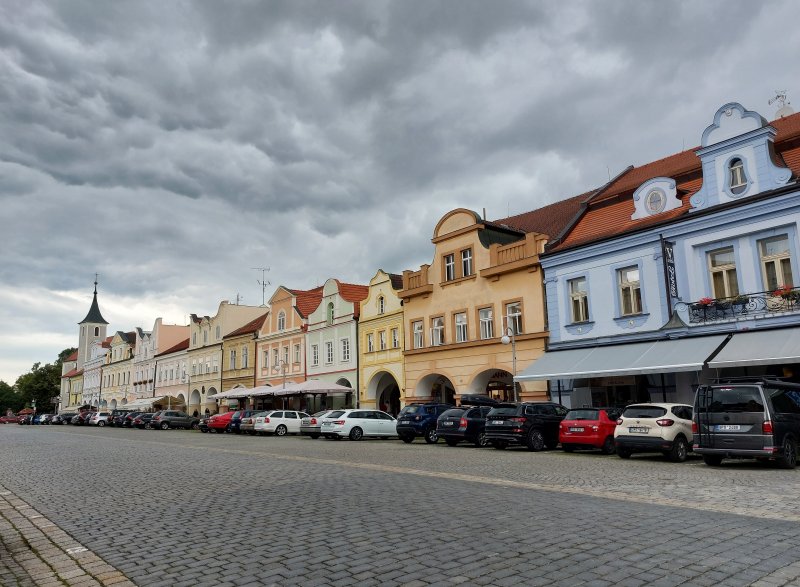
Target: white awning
point(760, 347)
point(637, 358)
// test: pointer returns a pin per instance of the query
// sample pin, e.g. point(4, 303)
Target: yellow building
point(116, 388)
point(380, 335)
point(484, 288)
point(239, 355)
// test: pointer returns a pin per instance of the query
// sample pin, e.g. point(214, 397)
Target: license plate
point(638, 430)
point(575, 429)
point(497, 422)
point(326, 423)
point(728, 427)
point(447, 423)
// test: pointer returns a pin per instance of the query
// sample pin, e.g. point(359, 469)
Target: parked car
point(758, 419)
point(279, 422)
point(202, 426)
point(26, 419)
point(220, 423)
point(356, 424)
point(665, 428)
point(589, 428)
point(312, 425)
point(236, 420)
point(63, 418)
point(530, 424)
point(247, 426)
point(37, 419)
point(47, 418)
point(12, 419)
point(465, 423)
point(420, 420)
point(166, 419)
point(99, 419)
point(143, 421)
point(127, 419)
point(81, 419)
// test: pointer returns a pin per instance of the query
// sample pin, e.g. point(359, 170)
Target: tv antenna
point(263, 282)
point(239, 298)
point(785, 106)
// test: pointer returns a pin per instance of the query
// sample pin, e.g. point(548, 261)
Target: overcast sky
point(173, 146)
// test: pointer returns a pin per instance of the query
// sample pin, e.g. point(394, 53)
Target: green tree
point(42, 383)
point(9, 399)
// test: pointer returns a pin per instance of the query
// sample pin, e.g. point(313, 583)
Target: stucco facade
point(117, 387)
point(239, 355)
point(172, 377)
point(148, 345)
point(484, 279)
point(381, 338)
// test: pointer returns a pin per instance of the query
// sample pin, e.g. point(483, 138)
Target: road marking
point(719, 507)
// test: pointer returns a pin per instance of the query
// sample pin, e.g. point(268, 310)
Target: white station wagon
point(278, 422)
point(356, 424)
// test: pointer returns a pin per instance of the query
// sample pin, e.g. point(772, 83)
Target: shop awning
point(761, 347)
point(637, 358)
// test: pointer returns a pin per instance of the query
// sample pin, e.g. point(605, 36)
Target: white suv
point(665, 428)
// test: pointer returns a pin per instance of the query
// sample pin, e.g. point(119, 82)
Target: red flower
point(705, 301)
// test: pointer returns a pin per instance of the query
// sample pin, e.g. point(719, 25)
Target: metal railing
point(782, 300)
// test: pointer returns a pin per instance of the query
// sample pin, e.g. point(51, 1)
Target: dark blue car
point(420, 420)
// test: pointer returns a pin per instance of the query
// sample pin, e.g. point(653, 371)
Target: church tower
point(92, 329)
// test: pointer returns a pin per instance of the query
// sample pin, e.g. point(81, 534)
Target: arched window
point(97, 331)
point(330, 313)
point(282, 320)
point(738, 181)
point(381, 305)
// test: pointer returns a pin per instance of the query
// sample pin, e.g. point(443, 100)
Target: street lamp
point(281, 368)
point(510, 338)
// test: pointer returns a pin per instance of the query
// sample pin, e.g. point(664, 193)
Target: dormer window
point(281, 320)
point(330, 313)
point(738, 181)
point(381, 305)
point(656, 201)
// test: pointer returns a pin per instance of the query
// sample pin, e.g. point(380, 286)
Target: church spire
point(94, 316)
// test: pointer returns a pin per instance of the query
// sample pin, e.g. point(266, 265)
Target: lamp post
point(281, 368)
point(510, 338)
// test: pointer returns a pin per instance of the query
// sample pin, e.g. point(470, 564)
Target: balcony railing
point(704, 310)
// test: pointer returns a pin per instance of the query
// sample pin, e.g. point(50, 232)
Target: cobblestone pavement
point(184, 508)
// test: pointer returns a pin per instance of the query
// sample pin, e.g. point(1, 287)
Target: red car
point(220, 422)
point(9, 419)
point(589, 428)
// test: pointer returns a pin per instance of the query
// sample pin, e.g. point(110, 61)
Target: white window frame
point(629, 291)
point(514, 317)
point(579, 299)
point(449, 267)
point(781, 262)
point(245, 358)
point(345, 349)
point(315, 354)
point(462, 329)
point(737, 178)
point(381, 305)
point(729, 276)
point(329, 353)
point(281, 321)
point(232, 358)
point(437, 331)
point(466, 262)
point(297, 354)
point(395, 338)
point(487, 322)
point(370, 342)
point(382, 340)
point(417, 329)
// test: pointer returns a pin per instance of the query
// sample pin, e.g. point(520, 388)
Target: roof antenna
point(609, 172)
point(239, 298)
point(785, 106)
point(484, 212)
point(263, 283)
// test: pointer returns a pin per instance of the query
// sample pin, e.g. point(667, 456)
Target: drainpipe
point(358, 370)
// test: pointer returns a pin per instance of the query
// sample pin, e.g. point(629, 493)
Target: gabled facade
point(172, 378)
point(676, 265)
point(332, 338)
point(116, 384)
point(204, 357)
point(238, 355)
point(484, 282)
point(281, 344)
point(381, 341)
point(148, 345)
point(93, 372)
point(70, 393)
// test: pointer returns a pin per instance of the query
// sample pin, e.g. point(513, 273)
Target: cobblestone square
point(183, 508)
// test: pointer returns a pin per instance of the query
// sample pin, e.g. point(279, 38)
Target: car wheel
point(712, 460)
point(680, 449)
point(314, 436)
point(101, 423)
point(407, 439)
point(451, 441)
point(195, 425)
point(165, 425)
point(608, 447)
point(204, 430)
point(788, 460)
point(499, 444)
point(281, 430)
point(535, 440)
point(430, 436)
point(568, 447)
point(481, 441)
point(624, 453)
point(356, 433)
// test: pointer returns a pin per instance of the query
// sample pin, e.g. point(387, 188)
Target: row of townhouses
point(671, 274)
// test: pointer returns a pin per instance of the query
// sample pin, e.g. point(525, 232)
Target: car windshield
point(410, 410)
point(504, 410)
point(320, 414)
point(335, 414)
point(583, 414)
point(644, 412)
point(742, 398)
point(454, 413)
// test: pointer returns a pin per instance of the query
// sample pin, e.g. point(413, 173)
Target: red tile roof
point(181, 346)
point(250, 327)
point(72, 373)
point(609, 212)
point(549, 220)
point(396, 280)
point(72, 357)
point(353, 293)
point(307, 300)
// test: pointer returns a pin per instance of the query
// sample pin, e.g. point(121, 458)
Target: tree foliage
point(9, 399)
point(42, 383)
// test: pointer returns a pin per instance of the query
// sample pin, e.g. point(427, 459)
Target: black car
point(81, 419)
point(63, 418)
point(117, 417)
point(465, 423)
point(142, 421)
point(128, 418)
point(420, 420)
point(755, 419)
point(530, 424)
point(236, 420)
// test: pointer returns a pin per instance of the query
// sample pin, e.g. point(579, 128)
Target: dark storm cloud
point(171, 147)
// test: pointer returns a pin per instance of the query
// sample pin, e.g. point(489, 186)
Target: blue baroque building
point(680, 271)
